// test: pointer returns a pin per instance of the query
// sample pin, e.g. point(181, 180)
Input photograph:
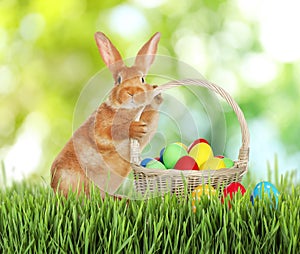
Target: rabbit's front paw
point(137, 130)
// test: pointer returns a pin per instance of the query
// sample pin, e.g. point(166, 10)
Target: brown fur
point(99, 151)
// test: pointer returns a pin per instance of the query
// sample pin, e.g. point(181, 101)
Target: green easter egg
point(154, 164)
point(173, 152)
point(229, 163)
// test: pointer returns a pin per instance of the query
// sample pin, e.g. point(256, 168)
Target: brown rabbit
point(99, 151)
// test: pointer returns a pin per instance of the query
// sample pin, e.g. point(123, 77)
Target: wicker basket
point(153, 182)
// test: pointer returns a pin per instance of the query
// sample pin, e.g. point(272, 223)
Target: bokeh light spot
point(191, 49)
point(32, 26)
point(7, 80)
point(150, 4)
point(127, 21)
point(258, 69)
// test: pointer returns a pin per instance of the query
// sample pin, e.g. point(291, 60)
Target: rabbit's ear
point(109, 53)
point(146, 55)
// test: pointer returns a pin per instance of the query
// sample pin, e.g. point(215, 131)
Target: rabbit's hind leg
point(65, 180)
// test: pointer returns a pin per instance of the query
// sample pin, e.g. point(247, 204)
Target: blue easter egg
point(145, 161)
point(161, 155)
point(265, 188)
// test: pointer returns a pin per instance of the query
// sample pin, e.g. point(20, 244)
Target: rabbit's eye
point(143, 79)
point(119, 80)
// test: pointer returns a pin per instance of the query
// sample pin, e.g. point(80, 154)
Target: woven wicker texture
point(153, 182)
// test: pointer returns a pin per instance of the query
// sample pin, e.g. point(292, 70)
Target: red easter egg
point(197, 141)
point(232, 189)
point(220, 156)
point(157, 158)
point(186, 163)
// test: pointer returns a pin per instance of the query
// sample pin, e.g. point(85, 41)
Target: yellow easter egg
point(182, 145)
point(200, 191)
point(213, 163)
point(201, 153)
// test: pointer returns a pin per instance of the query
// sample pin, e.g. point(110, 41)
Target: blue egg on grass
point(145, 161)
point(265, 188)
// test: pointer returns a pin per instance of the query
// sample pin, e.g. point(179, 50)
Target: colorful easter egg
point(197, 141)
point(161, 155)
point(199, 191)
point(201, 152)
point(231, 190)
point(173, 152)
point(213, 164)
point(265, 188)
point(145, 161)
point(154, 164)
point(229, 163)
point(186, 163)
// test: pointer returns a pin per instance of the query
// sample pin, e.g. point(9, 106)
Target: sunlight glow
point(127, 21)
point(24, 156)
point(279, 24)
point(258, 69)
point(279, 29)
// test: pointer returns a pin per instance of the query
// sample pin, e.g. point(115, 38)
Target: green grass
point(34, 220)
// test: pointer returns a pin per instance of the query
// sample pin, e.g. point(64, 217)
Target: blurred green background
point(48, 54)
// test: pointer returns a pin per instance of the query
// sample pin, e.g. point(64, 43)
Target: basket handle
point(244, 150)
